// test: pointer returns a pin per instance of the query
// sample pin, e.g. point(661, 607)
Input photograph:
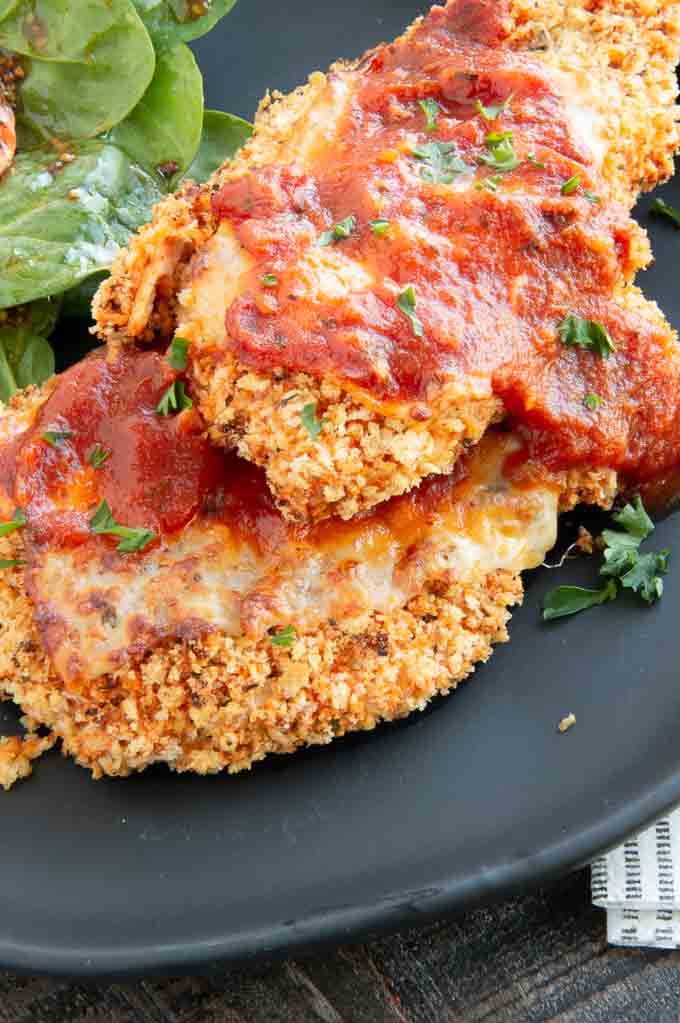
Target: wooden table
point(532, 959)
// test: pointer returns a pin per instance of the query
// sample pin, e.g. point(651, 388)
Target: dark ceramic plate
point(475, 797)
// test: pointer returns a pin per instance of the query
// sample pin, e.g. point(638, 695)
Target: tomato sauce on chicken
point(496, 227)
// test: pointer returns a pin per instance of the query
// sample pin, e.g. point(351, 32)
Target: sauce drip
point(495, 267)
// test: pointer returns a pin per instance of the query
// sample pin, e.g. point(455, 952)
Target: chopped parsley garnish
point(131, 540)
point(441, 162)
point(56, 437)
point(312, 424)
point(635, 520)
point(18, 521)
point(571, 185)
point(11, 562)
point(489, 184)
point(98, 456)
point(491, 113)
point(593, 402)
point(270, 280)
point(569, 600)
point(501, 156)
point(664, 209)
point(178, 356)
point(531, 158)
point(591, 197)
point(431, 109)
point(285, 637)
point(175, 399)
point(380, 227)
point(407, 302)
point(343, 229)
point(590, 334)
point(624, 567)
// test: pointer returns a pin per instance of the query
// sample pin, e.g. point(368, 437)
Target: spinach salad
point(109, 110)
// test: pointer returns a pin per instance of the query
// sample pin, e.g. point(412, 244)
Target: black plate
point(476, 796)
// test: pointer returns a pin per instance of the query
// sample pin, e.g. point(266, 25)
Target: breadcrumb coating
point(217, 702)
point(618, 60)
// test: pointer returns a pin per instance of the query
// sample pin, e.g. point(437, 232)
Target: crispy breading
point(616, 59)
point(16, 754)
point(387, 611)
point(217, 702)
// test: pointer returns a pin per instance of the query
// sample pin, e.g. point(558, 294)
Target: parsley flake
point(312, 424)
point(98, 456)
point(131, 540)
point(664, 209)
point(441, 162)
point(569, 600)
point(179, 351)
point(591, 197)
point(431, 109)
point(55, 438)
point(635, 520)
point(644, 576)
point(587, 334)
point(285, 637)
point(343, 229)
point(11, 562)
point(18, 521)
point(407, 302)
point(592, 402)
point(491, 113)
point(501, 156)
point(489, 184)
point(380, 227)
point(175, 399)
point(270, 280)
point(531, 158)
point(571, 185)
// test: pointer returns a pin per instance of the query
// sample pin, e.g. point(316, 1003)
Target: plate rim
point(348, 924)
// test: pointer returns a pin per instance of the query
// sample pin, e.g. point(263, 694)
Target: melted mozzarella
point(97, 610)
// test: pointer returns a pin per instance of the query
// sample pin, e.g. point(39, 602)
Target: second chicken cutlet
point(423, 242)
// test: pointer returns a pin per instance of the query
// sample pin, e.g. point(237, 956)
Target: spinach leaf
point(26, 357)
point(59, 225)
point(163, 131)
point(174, 21)
point(223, 135)
point(90, 63)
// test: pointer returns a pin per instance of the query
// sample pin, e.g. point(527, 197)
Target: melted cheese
point(96, 610)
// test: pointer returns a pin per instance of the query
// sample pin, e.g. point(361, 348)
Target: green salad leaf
point(59, 225)
point(90, 63)
point(26, 356)
point(163, 131)
point(175, 21)
point(222, 137)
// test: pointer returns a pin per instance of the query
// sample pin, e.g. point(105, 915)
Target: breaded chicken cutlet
point(156, 607)
point(384, 269)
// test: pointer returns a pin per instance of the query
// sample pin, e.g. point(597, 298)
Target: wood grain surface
point(536, 958)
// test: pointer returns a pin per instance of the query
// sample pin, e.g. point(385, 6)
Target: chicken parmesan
point(157, 607)
point(418, 244)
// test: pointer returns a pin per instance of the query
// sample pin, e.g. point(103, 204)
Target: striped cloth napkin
point(638, 884)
